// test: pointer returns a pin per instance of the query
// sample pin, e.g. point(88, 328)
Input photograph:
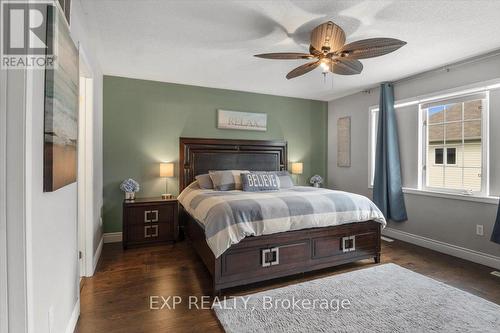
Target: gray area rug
point(385, 298)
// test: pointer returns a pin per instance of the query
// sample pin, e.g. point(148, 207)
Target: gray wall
point(51, 232)
point(447, 220)
point(13, 250)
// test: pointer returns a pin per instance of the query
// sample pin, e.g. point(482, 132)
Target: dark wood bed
point(272, 256)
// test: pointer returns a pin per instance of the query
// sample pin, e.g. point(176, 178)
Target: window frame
point(481, 87)
point(372, 142)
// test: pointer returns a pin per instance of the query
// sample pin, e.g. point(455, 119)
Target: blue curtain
point(387, 189)
point(495, 236)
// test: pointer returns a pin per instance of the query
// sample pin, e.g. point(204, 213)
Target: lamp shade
point(166, 169)
point(297, 168)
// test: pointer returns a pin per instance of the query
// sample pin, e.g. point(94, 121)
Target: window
point(438, 156)
point(451, 156)
point(453, 143)
point(443, 142)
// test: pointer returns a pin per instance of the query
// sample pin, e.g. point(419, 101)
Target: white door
point(85, 176)
point(81, 177)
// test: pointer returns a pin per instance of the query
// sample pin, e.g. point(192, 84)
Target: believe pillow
point(260, 181)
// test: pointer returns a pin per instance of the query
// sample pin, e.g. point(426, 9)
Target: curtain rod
point(446, 68)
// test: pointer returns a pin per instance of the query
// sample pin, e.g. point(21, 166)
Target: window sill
point(453, 196)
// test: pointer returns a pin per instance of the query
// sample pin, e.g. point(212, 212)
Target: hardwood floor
point(117, 297)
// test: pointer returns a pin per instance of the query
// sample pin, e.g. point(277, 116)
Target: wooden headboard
point(198, 156)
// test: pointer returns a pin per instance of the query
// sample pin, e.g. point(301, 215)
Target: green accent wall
point(143, 120)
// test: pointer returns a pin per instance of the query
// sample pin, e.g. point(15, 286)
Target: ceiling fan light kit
point(328, 50)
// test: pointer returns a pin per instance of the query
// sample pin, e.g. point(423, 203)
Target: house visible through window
point(454, 143)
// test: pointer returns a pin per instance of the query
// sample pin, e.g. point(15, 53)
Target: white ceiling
point(211, 43)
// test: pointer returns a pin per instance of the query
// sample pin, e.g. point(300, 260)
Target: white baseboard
point(97, 255)
point(386, 239)
point(73, 320)
point(450, 249)
point(112, 237)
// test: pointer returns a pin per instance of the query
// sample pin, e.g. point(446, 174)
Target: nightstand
point(150, 221)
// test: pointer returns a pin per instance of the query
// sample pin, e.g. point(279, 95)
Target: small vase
point(317, 185)
point(129, 195)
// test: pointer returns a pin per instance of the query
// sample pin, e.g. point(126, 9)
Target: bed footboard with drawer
point(267, 257)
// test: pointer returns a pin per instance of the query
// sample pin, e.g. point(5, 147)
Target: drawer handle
point(147, 234)
point(270, 257)
point(146, 218)
point(155, 233)
point(265, 252)
point(348, 244)
point(155, 218)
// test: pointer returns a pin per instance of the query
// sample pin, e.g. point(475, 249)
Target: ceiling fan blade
point(346, 66)
point(327, 37)
point(372, 47)
point(301, 70)
point(284, 55)
point(313, 51)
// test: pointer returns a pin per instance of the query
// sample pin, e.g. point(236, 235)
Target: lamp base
point(166, 196)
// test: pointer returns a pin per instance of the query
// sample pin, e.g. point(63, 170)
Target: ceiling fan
point(328, 51)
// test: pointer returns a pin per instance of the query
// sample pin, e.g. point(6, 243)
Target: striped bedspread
point(230, 216)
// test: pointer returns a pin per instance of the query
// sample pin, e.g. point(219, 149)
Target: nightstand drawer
point(151, 214)
point(150, 233)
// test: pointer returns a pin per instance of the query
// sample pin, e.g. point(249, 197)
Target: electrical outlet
point(51, 319)
point(479, 230)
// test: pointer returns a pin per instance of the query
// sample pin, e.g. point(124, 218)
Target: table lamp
point(297, 169)
point(166, 171)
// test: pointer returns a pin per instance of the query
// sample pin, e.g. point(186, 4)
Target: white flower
point(130, 185)
point(316, 179)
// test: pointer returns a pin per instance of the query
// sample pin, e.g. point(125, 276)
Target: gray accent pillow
point(226, 180)
point(260, 181)
point(285, 179)
point(205, 181)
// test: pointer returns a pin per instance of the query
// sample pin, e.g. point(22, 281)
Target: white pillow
point(226, 180)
